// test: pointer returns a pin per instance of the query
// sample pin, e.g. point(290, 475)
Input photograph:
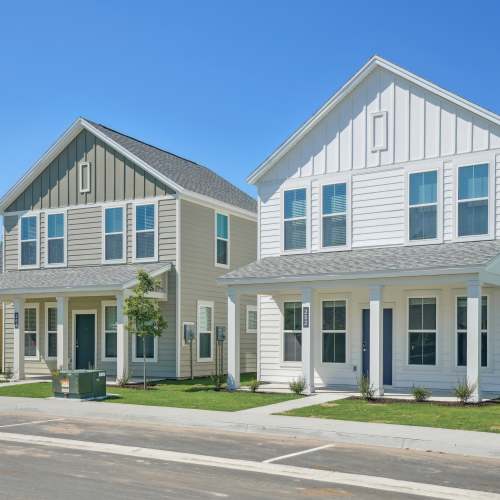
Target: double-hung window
point(205, 330)
point(462, 331)
point(292, 331)
point(56, 244)
point(334, 215)
point(109, 332)
point(222, 240)
point(423, 206)
point(29, 241)
point(422, 331)
point(114, 234)
point(295, 222)
point(333, 331)
point(145, 241)
point(30, 332)
point(473, 200)
point(51, 323)
point(251, 319)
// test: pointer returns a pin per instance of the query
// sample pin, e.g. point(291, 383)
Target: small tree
point(144, 316)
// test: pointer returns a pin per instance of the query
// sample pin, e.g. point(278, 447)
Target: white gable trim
point(345, 90)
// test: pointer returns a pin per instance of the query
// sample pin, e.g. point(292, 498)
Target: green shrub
point(420, 393)
point(254, 385)
point(463, 391)
point(298, 385)
point(366, 389)
point(123, 381)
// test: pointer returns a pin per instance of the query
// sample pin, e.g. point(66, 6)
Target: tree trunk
point(144, 359)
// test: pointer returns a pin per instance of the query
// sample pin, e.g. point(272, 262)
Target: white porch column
point(19, 339)
point(62, 333)
point(122, 350)
point(474, 337)
point(233, 339)
point(376, 340)
point(307, 338)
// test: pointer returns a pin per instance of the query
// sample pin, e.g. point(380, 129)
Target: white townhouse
point(378, 242)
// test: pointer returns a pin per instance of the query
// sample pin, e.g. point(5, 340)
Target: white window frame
point(134, 231)
point(307, 217)
point(65, 238)
point(20, 241)
point(104, 304)
point(491, 199)
point(228, 240)
point(84, 168)
point(123, 260)
point(347, 213)
point(199, 304)
point(283, 331)
point(49, 305)
point(347, 339)
point(421, 296)
point(487, 331)
point(37, 331)
point(135, 359)
point(191, 323)
point(251, 308)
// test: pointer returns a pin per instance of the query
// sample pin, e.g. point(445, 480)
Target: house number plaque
point(305, 317)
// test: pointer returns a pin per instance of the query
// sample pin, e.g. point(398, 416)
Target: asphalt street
point(76, 458)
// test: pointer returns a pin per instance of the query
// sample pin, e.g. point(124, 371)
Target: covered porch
point(404, 316)
point(71, 318)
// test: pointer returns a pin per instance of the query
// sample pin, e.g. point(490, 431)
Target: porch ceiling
point(76, 279)
point(410, 260)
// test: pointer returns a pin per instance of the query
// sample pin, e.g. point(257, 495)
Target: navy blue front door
point(387, 373)
point(85, 341)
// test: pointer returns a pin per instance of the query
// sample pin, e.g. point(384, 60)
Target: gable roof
point(182, 175)
point(374, 63)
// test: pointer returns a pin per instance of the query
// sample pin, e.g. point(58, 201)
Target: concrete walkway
point(480, 444)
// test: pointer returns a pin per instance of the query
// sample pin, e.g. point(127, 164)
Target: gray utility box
point(79, 384)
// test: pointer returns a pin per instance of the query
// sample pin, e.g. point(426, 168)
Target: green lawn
point(198, 393)
point(484, 418)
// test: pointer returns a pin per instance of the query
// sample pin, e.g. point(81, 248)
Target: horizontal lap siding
point(85, 236)
point(199, 274)
point(11, 242)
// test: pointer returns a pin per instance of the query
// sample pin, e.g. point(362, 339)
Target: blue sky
point(220, 82)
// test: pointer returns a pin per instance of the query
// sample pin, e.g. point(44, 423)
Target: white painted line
point(303, 452)
point(325, 476)
point(33, 422)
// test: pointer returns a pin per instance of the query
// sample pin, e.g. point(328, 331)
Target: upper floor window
point(473, 200)
point(462, 331)
point(222, 239)
point(114, 237)
point(295, 225)
point(84, 177)
point(145, 240)
point(334, 215)
point(29, 241)
point(56, 254)
point(251, 319)
point(423, 206)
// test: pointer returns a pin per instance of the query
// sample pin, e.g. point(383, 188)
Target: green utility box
point(79, 384)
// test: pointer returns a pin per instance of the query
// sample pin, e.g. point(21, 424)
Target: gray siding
point(112, 178)
point(198, 275)
point(84, 235)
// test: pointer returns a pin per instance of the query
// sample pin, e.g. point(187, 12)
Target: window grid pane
point(295, 203)
point(462, 331)
point(334, 199)
point(55, 226)
point(292, 338)
point(150, 346)
point(422, 331)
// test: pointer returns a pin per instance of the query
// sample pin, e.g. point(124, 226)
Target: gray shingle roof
point(75, 278)
point(369, 261)
point(185, 173)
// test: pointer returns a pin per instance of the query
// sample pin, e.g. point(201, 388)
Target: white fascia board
point(349, 276)
point(208, 201)
point(153, 274)
point(374, 62)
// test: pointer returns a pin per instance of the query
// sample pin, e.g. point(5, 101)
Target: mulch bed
point(437, 403)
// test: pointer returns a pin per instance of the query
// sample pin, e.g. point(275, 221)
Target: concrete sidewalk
point(479, 444)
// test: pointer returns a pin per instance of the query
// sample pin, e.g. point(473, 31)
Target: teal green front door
point(85, 341)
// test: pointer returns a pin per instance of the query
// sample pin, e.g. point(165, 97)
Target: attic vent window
point(379, 131)
point(84, 177)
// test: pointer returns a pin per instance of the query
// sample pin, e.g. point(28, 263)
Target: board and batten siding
point(198, 280)
point(423, 131)
point(112, 178)
point(84, 235)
